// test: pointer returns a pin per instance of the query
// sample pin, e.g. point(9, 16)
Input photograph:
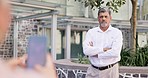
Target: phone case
point(36, 50)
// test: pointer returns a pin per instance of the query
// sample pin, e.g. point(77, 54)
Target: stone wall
point(26, 28)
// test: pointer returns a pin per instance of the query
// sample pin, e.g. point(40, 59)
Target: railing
point(68, 69)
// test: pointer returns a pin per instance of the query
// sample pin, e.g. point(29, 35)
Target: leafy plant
point(140, 58)
point(125, 57)
point(113, 4)
point(81, 59)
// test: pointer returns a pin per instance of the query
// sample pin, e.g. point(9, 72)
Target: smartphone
point(36, 50)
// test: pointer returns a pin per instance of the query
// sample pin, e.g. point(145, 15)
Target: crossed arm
point(104, 49)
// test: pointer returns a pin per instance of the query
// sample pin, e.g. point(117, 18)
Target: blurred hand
point(18, 62)
point(49, 70)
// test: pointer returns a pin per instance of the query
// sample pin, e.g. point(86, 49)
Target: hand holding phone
point(37, 50)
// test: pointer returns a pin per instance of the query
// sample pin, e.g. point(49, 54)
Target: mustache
point(103, 22)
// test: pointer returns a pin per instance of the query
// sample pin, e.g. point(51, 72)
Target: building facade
point(72, 20)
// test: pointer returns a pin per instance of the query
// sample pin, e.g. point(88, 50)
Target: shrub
point(139, 58)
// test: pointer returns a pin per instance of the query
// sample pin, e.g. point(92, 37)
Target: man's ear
point(110, 17)
point(98, 17)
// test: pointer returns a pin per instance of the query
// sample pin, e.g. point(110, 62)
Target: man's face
point(104, 19)
point(4, 20)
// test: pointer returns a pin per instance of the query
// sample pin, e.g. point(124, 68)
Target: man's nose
point(103, 18)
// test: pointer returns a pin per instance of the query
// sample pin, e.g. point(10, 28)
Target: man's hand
point(18, 62)
point(105, 49)
point(91, 44)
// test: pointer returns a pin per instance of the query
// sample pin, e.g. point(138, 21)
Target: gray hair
point(104, 9)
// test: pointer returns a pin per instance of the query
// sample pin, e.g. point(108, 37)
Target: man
point(103, 46)
point(16, 68)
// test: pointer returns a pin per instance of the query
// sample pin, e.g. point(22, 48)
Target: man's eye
point(101, 16)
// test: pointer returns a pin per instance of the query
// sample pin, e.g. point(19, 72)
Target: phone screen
point(37, 49)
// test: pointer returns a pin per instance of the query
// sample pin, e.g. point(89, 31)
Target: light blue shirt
point(111, 38)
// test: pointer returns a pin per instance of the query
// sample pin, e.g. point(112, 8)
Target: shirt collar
point(109, 28)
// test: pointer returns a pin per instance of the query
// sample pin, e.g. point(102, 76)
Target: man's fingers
point(24, 59)
point(39, 68)
point(105, 49)
point(91, 43)
point(49, 62)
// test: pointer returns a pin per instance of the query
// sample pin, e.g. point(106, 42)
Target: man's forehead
point(104, 14)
